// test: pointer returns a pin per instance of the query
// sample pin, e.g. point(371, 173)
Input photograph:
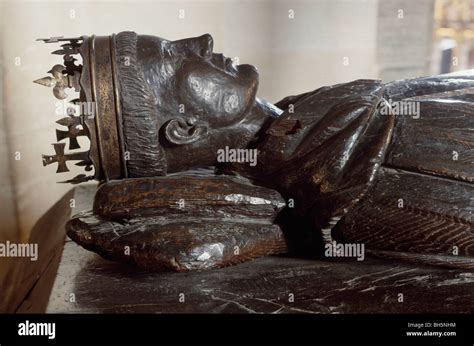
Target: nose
point(201, 45)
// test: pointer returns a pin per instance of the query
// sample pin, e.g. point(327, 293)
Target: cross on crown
point(61, 158)
point(62, 77)
point(74, 124)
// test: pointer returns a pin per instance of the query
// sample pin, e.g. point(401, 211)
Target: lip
point(228, 63)
point(222, 62)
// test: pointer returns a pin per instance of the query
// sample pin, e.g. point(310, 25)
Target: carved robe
point(396, 182)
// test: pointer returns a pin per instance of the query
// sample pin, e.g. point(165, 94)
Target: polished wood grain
point(265, 285)
point(441, 141)
point(415, 213)
point(182, 222)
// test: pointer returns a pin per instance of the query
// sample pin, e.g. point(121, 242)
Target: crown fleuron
point(68, 76)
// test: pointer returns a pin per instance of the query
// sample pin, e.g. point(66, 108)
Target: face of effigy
point(186, 76)
point(204, 102)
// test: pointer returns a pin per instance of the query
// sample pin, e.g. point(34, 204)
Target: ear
point(179, 131)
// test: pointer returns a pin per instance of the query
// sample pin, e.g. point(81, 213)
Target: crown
point(117, 109)
point(96, 83)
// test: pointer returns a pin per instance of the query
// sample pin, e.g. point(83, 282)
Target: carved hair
point(139, 113)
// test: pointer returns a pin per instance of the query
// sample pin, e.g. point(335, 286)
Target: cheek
point(232, 102)
point(218, 93)
point(215, 95)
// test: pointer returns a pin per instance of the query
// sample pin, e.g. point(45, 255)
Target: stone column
point(404, 32)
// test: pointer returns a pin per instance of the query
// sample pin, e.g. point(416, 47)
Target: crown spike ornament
point(72, 135)
point(61, 158)
point(60, 81)
point(74, 124)
point(63, 76)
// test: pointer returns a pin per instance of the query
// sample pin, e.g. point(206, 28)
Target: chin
point(248, 76)
point(247, 71)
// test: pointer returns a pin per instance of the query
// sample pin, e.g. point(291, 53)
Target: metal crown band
point(104, 97)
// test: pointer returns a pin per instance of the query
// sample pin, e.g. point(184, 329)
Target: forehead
point(151, 45)
point(156, 56)
point(157, 63)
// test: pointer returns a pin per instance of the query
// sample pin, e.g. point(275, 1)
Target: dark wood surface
point(181, 223)
point(416, 213)
point(440, 141)
point(85, 282)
